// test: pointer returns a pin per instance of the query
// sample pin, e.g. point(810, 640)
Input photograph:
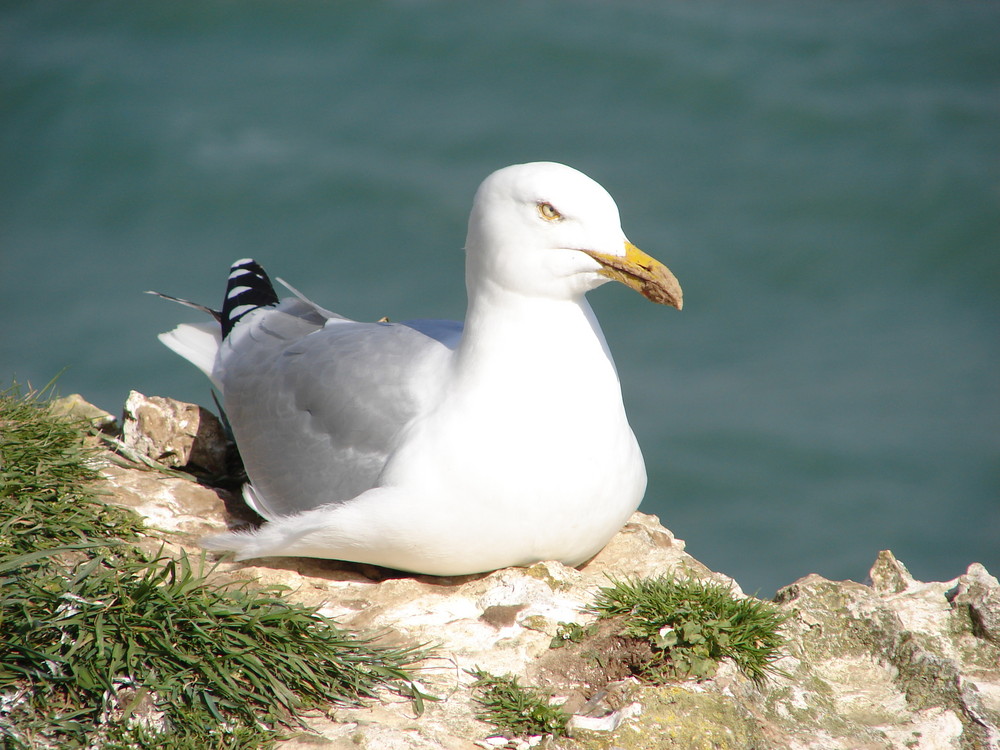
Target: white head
point(546, 230)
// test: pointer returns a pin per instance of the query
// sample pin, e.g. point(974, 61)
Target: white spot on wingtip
point(236, 291)
point(239, 312)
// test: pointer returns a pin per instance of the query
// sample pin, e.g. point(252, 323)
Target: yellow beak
point(645, 274)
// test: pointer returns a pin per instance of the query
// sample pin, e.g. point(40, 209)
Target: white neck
point(514, 338)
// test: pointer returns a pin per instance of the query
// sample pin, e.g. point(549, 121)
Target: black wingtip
point(248, 289)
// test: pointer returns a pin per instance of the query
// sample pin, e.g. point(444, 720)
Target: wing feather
point(317, 403)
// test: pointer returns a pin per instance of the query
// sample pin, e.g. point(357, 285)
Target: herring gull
point(432, 446)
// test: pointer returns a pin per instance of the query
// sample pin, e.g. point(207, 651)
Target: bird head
point(545, 229)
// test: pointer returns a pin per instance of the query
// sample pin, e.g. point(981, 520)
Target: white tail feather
point(198, 343)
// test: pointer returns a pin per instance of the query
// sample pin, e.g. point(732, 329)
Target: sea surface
point(823, 178)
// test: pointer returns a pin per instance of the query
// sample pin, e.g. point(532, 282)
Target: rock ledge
point(894, 664)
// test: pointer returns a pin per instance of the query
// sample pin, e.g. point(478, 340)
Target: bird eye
point(548, 212)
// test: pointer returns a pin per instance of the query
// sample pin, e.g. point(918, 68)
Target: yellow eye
point(548, 212)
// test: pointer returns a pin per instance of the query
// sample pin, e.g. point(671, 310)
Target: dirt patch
point(596, 668)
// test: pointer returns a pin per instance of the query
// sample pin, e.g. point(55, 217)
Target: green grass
point(516, 710)
point(46, 497)
point(104, 646)
point(571, 632)
point(693, 625)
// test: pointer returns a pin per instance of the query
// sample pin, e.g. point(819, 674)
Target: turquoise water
point(824, 179)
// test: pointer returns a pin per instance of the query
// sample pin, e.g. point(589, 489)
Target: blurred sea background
point(823, 178)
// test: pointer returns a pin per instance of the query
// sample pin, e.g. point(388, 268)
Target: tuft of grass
point(692, 625)
point(204, 655)
point(106, 647)
point(516, 710)
point(46, 471)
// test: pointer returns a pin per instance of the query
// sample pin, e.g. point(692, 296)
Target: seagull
point(432, 446)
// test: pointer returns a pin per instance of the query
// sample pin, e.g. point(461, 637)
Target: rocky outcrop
point(174, 433)
point(896, 663)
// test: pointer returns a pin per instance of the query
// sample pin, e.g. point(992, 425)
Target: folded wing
point(317, 402)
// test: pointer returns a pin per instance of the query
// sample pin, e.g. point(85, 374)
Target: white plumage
point(431, 447)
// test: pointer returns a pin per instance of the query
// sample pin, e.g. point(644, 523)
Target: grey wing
point(316, 405)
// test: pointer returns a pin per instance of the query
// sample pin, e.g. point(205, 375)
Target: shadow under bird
point(433, 446)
